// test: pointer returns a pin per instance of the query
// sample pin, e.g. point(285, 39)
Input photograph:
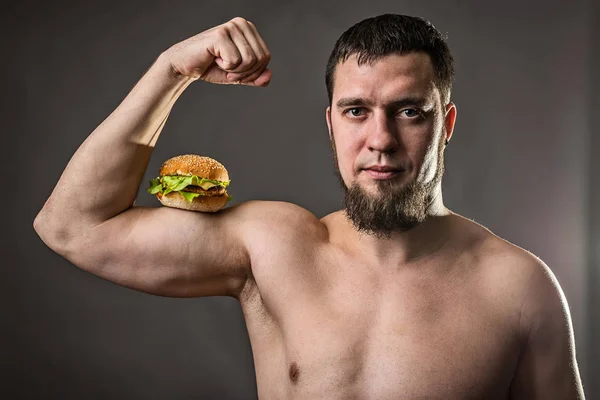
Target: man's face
point(388, 116)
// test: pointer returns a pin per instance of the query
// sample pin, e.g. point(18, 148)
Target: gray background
point(521, 163)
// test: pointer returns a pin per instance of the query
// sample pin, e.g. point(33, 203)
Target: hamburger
point(192, 182)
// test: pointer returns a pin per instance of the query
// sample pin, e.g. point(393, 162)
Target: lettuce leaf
point(176, 183)
point(155, 186)
point(189, 196)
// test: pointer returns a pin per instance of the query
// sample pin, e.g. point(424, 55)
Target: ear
point(328, 118)
point(449, 120)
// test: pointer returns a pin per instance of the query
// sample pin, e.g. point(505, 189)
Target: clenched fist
point(229, 53)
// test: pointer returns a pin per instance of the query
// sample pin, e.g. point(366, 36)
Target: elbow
point(38, 224)
point(55, 235)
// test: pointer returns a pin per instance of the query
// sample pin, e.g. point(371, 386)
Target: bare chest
point(338, 331)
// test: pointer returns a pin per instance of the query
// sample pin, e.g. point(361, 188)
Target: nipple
point(294, 372)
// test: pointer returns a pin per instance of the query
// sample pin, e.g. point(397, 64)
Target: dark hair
point(376, 37)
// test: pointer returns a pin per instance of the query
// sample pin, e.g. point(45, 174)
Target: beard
point(393, 208)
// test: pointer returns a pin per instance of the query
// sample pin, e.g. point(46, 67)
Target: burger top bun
point(192, 164)
point(200, 203)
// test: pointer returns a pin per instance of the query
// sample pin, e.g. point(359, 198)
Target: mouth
point(382, 173)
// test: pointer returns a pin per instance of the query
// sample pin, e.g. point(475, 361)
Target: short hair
point(376, 37)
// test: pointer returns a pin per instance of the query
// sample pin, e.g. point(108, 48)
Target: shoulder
point(276, 220)
point(517, 276)
point(498, 256)
point(527, 294)
point(257, 212)
point(522, 268)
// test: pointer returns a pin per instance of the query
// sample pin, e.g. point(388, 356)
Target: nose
point(383, 136)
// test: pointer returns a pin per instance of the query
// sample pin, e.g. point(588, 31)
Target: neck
point(405, 247)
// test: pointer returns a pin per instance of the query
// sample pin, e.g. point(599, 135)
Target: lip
point(383, 168)
point(382, 172)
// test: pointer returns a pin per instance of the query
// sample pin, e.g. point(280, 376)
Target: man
point(394, 297)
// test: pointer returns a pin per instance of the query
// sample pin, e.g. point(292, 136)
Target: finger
point(227, 54)
point(261, 58)
point(250, 79)
point(264, 79)
point(261, 42)
point(254, 40)
point(259, 48)
point(249, 58)
point(260, 78)
point(246, 76)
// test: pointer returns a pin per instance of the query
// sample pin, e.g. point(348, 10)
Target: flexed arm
point(89, 217)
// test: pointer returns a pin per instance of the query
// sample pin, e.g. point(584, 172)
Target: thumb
point(224, 64)
point(264, 79)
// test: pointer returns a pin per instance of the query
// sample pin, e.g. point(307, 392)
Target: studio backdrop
point(521, 162)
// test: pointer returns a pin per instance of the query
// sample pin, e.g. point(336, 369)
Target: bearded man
point(392, 297)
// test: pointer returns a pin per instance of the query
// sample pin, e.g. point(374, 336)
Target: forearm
point(102, 178)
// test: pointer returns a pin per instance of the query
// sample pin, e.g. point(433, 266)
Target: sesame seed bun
point(192, 164)
point(203, 167)
point(200, 203)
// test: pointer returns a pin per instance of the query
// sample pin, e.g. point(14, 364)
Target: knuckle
point(238, 20)
point(235, 59)
point(222, 33)
point(248, 59)
point(245, 64)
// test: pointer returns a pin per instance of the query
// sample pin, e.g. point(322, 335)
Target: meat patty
point(213, 191)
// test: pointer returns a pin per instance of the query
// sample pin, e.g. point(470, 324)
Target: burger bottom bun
point(200, 203)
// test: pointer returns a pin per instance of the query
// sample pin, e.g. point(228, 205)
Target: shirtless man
point(394, 297)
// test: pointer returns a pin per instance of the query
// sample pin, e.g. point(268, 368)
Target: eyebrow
point(398, 103)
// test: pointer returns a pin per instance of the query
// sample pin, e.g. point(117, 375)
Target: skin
point(446, 310)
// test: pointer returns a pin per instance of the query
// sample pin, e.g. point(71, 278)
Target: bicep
point(166, 252)
point(547, 367)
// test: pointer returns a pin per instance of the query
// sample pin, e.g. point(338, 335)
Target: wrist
point(165, 67)
point(160, 84)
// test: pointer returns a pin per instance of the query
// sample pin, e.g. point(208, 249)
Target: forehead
point(390, 76)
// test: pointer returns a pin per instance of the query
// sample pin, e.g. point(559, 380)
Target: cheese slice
point(206, 185)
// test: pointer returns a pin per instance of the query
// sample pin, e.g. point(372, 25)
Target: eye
point(411, 112)
point(354, 112)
